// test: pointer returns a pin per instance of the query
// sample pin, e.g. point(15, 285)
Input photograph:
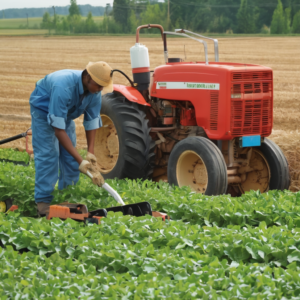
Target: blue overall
point(57, 100)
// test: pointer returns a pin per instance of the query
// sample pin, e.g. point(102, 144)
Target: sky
point(48, 3)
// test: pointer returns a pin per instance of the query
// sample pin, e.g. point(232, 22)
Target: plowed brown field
point(24, 60)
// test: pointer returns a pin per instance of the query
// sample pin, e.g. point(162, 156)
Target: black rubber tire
point(279, 168)
point(136, 147)
point(212, 158)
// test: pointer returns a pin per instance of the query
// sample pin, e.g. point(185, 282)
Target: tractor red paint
point(131, 94)
point(229, 99)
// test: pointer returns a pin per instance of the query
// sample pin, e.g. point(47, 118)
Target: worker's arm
point(90, 138)
point(92, 120)
point(65, 141)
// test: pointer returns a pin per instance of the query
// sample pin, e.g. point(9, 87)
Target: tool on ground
point(80, 212)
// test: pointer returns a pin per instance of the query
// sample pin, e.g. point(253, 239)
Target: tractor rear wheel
point(197, 162)
point(123, 146)
point(270, 169)
point(279, 167)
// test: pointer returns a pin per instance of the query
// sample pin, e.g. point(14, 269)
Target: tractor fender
point(130, 93)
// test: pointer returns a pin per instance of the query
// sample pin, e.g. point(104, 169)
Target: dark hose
point(131, 82)
point(16, 137)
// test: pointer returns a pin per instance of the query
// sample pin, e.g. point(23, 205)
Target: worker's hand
point(92, 159)
point(84, 167)
point(94, 174)
point(98, 179)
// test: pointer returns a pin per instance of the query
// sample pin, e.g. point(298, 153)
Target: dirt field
point(24, 60)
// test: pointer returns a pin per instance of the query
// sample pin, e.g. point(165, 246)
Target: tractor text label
point(187, 85)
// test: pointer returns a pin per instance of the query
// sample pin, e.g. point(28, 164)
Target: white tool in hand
point(110, 190)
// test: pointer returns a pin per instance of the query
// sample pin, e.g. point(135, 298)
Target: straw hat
point(100, 72)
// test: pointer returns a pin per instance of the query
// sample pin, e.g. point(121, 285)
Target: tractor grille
point(214, 110)
point(251, 106)
point(251, 76)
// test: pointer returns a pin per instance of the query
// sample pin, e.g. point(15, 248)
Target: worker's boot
point(43, 209)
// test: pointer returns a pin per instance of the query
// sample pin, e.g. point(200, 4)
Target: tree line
point(214, 16)
point(36, 12)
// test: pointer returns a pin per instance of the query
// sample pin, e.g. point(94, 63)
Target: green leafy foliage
point(274, 208)
point(246, 18)
point(296, 23)
point(74, 9)
point(144, 258)
point(10, 154)
point(213, 247)
point(17, 182)
point(281, 19)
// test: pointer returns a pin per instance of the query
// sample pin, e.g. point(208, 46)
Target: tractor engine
point(170, 113)
point(166, 112)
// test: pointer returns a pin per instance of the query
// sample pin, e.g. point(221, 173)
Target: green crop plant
point(274, 207)
point(18, 156)
point(146, 258)
point(212, 248)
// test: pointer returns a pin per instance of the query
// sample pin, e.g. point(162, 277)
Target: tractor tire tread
point(278, 162)
point(136, 145)
point(213, 158)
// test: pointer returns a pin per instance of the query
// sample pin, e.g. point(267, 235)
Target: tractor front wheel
point(197, 162)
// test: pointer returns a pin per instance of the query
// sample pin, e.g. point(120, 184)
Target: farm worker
point(57, 100)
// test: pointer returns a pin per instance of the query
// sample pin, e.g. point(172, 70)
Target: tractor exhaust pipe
point(148, 26)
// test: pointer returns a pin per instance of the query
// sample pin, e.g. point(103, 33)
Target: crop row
point(274, 208)
point(143, 258)
point(28, 276)
point(213, 247)
point(10, 154)
point(125, 243)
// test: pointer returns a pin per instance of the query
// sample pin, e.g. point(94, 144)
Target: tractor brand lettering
point(201, 86)
point(162, 85)
point(187, 85)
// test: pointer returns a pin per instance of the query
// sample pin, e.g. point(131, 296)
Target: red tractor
point(198, 124)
